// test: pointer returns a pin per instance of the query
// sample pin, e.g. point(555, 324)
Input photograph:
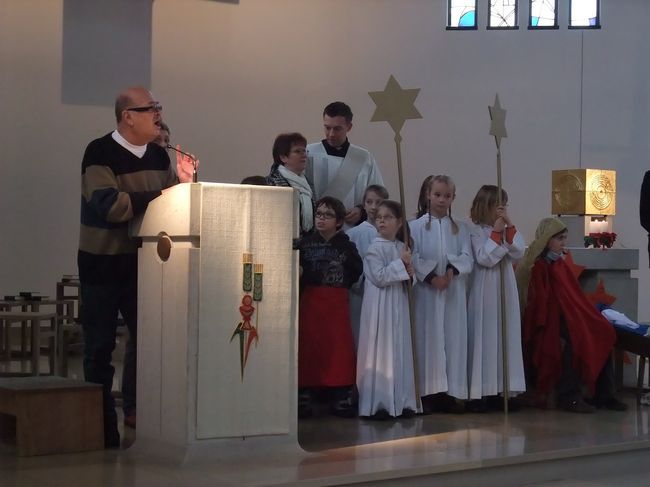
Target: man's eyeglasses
point(327, 215)
point(302, 152)
point(154, 107)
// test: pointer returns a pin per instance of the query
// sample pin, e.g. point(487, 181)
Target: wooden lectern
point(217, 319)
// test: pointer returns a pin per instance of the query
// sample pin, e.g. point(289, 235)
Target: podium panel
point(248, 400)
point(217, 337)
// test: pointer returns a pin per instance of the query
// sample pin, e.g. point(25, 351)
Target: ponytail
point(454, 225)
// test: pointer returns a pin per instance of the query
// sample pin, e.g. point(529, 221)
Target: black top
point(331, 263)
point(644, 205)
point(106, 252)
point(336, 152)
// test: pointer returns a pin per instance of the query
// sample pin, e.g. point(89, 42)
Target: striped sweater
point(116, 185)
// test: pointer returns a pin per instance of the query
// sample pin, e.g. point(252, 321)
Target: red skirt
point(326, 356)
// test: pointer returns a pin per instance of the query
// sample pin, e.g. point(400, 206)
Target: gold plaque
point(583, 192)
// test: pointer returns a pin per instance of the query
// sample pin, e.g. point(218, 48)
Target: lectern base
point(206, 452)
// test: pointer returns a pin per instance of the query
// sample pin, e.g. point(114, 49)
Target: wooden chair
point(52, 331)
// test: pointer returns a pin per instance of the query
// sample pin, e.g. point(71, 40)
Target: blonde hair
point(484, 201)
point(428, 184)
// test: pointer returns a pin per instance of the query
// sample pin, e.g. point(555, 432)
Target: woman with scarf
point(289, 163)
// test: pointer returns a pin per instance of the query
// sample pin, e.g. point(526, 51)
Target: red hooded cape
point(555, 296)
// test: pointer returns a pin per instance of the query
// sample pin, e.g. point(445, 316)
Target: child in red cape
point(566, 341)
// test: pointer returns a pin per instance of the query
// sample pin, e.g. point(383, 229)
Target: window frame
point(474, 27)
point(489, 16)
point(586, 27)
point(555, 26)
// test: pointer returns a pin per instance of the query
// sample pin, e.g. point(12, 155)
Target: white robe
point(325, 167)
point(385, 377)
point(362, 235)
point(441, 316)
point(485, 361)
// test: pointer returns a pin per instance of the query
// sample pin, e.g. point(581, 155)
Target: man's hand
point(185, 166)
point(353, 215)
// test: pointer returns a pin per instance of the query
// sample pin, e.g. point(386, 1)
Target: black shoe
point(476, 406)
point(495, 403)
point(344, 411)
point(442, 403)
point(380, 415)
point(407, 413)
point(579, 406)
point(304, 403)
point(452, 405)
point(305, 411)
point(612, 404)
point(427, 405)
point(342, 403)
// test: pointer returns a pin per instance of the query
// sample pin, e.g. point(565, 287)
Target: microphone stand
point(195, 176)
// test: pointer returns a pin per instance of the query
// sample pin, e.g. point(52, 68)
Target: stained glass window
point(461, 14)
point(543, 14)
point(502, 14)
point(584, 14)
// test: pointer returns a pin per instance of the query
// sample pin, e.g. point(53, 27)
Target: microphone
point(195, 176)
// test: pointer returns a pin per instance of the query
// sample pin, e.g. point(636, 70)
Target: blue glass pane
point(534, 21)
point(468, 19)
point(461, 14)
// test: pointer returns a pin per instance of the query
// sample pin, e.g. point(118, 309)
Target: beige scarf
point(545, 230)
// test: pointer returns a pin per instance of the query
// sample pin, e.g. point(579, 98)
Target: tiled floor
point(338, 451)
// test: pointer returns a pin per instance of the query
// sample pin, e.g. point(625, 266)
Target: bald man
point(121, 173)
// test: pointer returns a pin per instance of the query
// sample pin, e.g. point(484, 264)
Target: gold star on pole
point(498, 117)
point(395, 105)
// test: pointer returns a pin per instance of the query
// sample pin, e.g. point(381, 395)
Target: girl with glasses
point(385, 376)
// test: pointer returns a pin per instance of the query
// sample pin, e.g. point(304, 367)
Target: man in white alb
point(340, 169)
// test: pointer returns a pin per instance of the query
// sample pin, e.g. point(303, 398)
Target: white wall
point(232, 76)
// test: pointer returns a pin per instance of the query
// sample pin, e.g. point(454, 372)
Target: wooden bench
point(51, 414)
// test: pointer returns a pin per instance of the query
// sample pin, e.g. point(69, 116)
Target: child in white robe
point(442, 262)
point(363, 235)
point(385, 374)
point(494, 240)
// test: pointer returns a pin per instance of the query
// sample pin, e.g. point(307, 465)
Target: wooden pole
point(407, 235)
point(504, 327)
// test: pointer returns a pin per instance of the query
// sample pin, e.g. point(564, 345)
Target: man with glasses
point(339, 169)
point(121, 173)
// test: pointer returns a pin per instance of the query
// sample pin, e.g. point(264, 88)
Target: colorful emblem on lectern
point(247, 332)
